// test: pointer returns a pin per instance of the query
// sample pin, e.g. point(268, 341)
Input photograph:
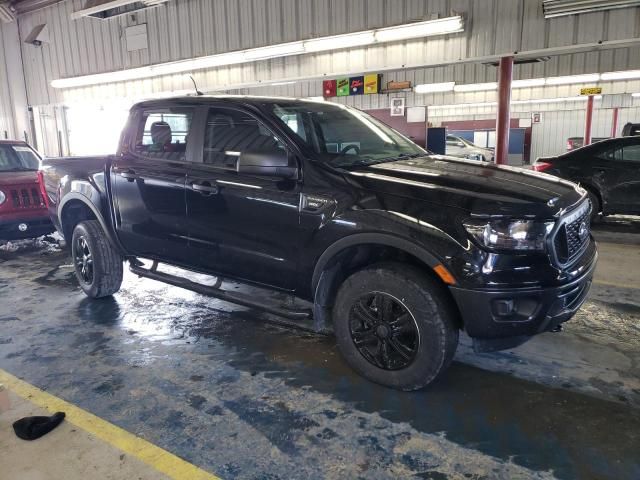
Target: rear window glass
point(164, 134)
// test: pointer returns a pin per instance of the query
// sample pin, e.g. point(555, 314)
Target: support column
point(587, 127)
point(505, 75)
point(614, 126)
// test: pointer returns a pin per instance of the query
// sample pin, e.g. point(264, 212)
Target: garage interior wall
point(182, 29)
point(7, 120)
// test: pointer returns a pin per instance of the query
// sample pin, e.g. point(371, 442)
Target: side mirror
point(270, 164)
point(460, 144)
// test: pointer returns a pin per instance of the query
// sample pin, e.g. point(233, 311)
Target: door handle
point(130, 175)
point(205, 188)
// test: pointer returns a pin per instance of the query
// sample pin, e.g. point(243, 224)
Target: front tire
point(395, 326)
point(97, 265)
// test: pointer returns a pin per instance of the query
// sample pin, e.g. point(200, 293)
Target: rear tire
point(399, 306)
point(595, 205)
point(98, 266)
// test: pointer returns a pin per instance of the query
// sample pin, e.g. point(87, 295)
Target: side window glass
point(229, 133)
point(611, 154)
point(631, 153)
point(164, 134)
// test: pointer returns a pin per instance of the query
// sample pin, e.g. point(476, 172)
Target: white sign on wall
point(136, 37)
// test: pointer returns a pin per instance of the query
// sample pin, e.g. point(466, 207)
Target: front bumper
point(507, 318)
point(35, 227)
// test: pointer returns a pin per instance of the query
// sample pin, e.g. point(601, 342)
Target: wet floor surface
point(237, 395)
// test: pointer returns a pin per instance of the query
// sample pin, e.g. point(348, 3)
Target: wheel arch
point(74, 209)
point(352, 253)
point(589, 187)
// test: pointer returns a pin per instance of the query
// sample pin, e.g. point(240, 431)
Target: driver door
point(242, 226)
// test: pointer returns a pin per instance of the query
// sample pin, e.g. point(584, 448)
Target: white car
point(459, 147)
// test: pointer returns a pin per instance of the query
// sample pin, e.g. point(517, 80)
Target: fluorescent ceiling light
point(589, 78)
point(281, 50)
point(420, 29)
point(277, 84)
point(434, 87)
point(635, 95)
point(528, 82)
point(476, 87)
point(516, 102)
point(334, 42)
point(628, 75)
point(339, 41)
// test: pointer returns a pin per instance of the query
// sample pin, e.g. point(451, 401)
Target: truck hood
point(480, 188)
point(18, 178)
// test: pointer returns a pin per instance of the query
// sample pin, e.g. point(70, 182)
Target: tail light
point(43, 191)
point(569, 144)
point(541, 166)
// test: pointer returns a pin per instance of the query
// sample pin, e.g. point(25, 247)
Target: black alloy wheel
point(384, 331)
point(83, 259)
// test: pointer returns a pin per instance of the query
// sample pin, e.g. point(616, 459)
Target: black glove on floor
point(32, 428)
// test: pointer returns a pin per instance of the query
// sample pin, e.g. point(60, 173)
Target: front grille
point(26, 197)
point(572, 237)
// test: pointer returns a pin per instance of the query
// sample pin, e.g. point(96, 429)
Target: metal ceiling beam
point(561, 8)
point(27, 6)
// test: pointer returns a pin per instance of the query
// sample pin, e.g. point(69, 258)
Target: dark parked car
point(395, 248)
point(23, 213)
point(608, 170)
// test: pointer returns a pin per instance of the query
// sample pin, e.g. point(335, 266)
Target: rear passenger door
point(242, 226)
point(148, 180)
point(624, 180)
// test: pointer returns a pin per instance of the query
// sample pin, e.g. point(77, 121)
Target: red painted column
point(587, 127)
point(614, 126)
point(505, 75)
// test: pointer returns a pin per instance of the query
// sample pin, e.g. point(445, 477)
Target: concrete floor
point(65, 453)
point(234, 393)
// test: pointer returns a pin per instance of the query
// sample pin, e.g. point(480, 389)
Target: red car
point(23, 210)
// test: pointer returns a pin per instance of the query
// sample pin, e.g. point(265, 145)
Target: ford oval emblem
point(583, 231)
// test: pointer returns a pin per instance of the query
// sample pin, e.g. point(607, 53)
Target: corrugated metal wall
point(183, 29)
point(6, 109)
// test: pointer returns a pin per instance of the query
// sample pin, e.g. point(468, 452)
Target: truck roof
point(13, 142)
point(243, 99)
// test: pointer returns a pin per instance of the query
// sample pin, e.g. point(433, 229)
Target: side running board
point(137, 267)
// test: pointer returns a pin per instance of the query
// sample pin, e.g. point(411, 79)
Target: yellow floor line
point(143, 450)
point(614, 284)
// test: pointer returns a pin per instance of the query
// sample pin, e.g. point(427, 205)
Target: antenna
point(195, 86)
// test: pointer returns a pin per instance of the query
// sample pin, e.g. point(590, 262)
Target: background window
point(631, 153)
point(230, 132)
point(164, 134)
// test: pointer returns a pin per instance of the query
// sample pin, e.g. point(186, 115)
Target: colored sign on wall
point(329, 88)
point(356, 85)
point(342, 89)
point(372, 83)
point(591, 91)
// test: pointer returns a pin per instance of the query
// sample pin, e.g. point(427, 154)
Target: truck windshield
point(344, 136)
point(18, 158)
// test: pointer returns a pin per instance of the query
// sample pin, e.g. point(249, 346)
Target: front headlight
point(512, 235)
point(3, 197)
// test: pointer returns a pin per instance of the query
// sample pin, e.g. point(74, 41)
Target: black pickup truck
point(396, 249)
